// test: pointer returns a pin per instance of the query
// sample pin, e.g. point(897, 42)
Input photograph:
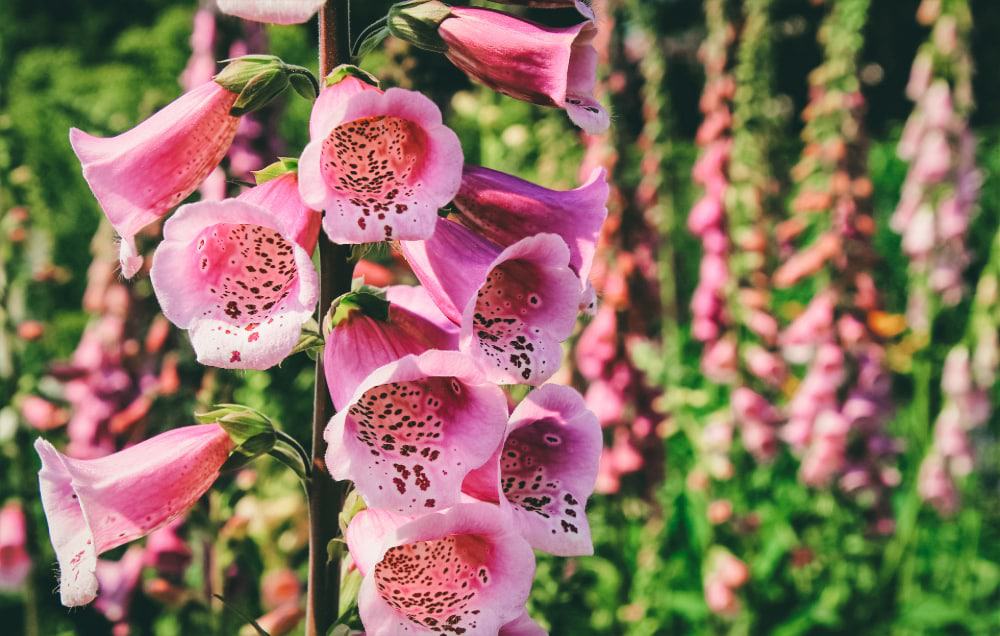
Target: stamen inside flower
point(436, 583)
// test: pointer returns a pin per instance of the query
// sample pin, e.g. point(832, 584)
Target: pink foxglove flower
point(280, 196)
point(464, 570)
point(534, 63)
point(15, 562)
point(514, 305)
point(414, 428)
point(117, 581)
point(380, 164)
point(231, 273)
point(272, 11)
point(505, 209)
point(95, 505)
point(139, 175)
point(545, 470)
point(361, 342)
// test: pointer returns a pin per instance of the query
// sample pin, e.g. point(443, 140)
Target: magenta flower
point(231, 273)
point(414, 428)
point(272, 11)
point(461, 570)
point(380, 163)
point(534, 63)
point(117, 581)
point(514, 305)
point(15, 562)
point(545, 470)
point(280, 197)
point(139, 175)
point(505, 209)
point(95, 505)
point(361, 342)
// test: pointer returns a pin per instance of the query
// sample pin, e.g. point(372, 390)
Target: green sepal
point(241, 422)
point(290, 453)
point(249, 450)
point(371, 42)
point(344, 71)
point(417, 22)
point(353, 504)
point(283, 165)
point(304, 85)
point(370, 301)
point(257, 79)
point(350, 585)
point(310, 340)
point(260, 90)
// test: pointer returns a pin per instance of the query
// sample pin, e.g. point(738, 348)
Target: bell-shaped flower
point(515, 304)
point(545, 470)
point(232, 274)
point(280, 196)
point(550, 66)
point(95, 505)
point(272, 11)
point(463, 570)
point(506, 209)
point(15, 562)
point(139, 175)
point(370, 332)
point(380, 164)
point(414, 428)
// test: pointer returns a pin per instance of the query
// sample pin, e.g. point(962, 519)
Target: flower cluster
point(942, 185)
point(459, 488)
point(726, 575)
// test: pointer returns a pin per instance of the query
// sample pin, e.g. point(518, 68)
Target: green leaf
point(372, 42)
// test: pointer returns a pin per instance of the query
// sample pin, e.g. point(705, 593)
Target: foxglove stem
point(325, 495)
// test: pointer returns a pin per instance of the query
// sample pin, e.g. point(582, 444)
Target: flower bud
point(417, 21)
point(257, 79)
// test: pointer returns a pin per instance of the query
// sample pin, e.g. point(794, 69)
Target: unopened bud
point(417, 21)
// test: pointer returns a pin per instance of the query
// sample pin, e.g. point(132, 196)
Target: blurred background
point(794, 353)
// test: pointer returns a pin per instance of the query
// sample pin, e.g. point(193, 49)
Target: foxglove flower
point(272, 11)
point(15, 562)
point(380, 164)
point(139, 175)
point(461, 570)
point(232, 274)
point(527, 61)
point(545, 470)
point(280, 196)
point(505, 209)
point(366, 337)
point(414, 428)
point(514, 305)
point(95, 505)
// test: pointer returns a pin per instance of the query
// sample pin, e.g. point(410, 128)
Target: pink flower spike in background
point(15, 562)
point(414, 428)
point(545, 470)
point(534, 63)
point(361, 342)
point(231, 273)
point(117, 581)
point(464, 567)
point(380, 164)
point(514, 305)
point(280, 197)
point(139, 175)
point(505, 209)
point(272, 11)
point(95, 505)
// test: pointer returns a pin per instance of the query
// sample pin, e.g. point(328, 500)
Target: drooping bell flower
point(583, 6)
point(232, 274)
point(272, 11)
point(543, 65)
point(463, 570)
point(505, 209)
point(95, 505)
point(15, 562)
point(514, 305)
point(139, 175)
point(117, 581)
point(414, 428)
point(380, 164)
point(545, 470)
point(369, 332)
point(280, 196)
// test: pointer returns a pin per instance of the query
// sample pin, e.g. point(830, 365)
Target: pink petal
point(232, 274)
point(379, 164)
point(370, 532)
point(464, 568)
point(139, 175)
point(414, 428)
point(505, 209)
point(15, 562)
point(546, 470)
point(281, 198)
point(360, 344)
point(95, 505)
point(523, 625)
point(117, 581)
point(272, 11)
point(417, 300)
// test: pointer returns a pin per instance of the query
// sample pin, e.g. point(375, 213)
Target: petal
point(230, 273)
point(416, 300)
point(523, 625)
point(281, 198)
point(414, 428)
point(272, 11)
point(369, 535)
point(118, 580)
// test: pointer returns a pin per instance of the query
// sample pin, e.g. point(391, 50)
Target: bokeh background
point(690, 480)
